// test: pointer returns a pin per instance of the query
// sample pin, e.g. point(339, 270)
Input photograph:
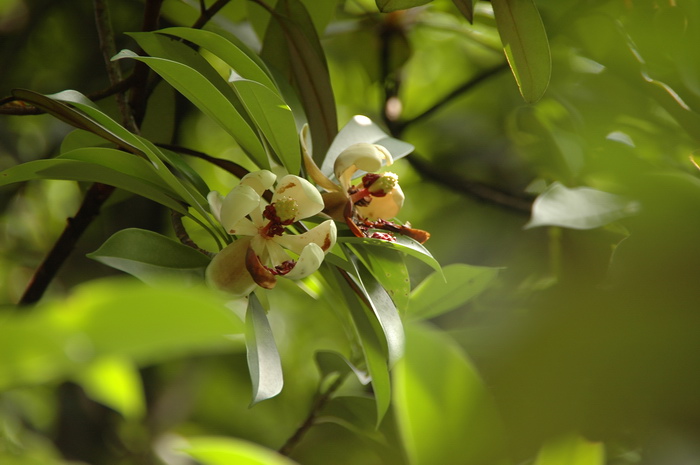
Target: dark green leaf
point(437, 390)
point(357, 414)
point(387, 6)
point(291, 44)
point(389, 268)
point(525, 44)
point(455, 286)
point(466, 7)
point(151, 257)
point(579, 208)
point(330, 362)
point(263, 359)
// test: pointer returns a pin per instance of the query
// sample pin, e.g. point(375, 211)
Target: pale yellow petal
point(309, 261)
point(227, 270)
point(360, 156)
point(238, 203)
point(215, 201)
point(259, 181)
point(324, 235)
point(385, 207)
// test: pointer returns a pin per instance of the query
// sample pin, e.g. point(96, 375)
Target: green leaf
point(466, 7)
point(356, 414)
point(389, 268)
point(228, 451)
point(209, 99)
point(384, 310)
point(291, 45)
point(115, 382)
point(579, 208)
point(525, 44)
point(77, 170)
point(387, 6)
point(114, 317)
point(457, 285)
point(233, 54)
point(571, 449)
point(437, 390)
point(402, 244)
point(274, 119)
point(151, 257)
point(330, 362)
point(362, 129)
point(264, 362)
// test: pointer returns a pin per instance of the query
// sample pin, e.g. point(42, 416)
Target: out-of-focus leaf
point(579, 208)
point(264, 362)
point(389, 268)
point(120, 318)
point(330, 362)
point(437, 390)
point(80, 139)
point(229, 451)
point(525, 44)
point(571, 450)
point(291, 45)
point(151, 257)
point(458, 284)
point(373, 348)
point(207, 97)
point(357, 414)
point(274, 119)
point(362, 129)
point(466, 7)
point(77, 170)
point(387, 6)
point(186, 171)
point(233, 54)
point(115, 382)
point(402, 244)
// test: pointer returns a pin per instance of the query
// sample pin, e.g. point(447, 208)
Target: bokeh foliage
point(572, 342)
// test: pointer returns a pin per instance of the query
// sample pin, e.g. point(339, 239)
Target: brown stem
point(207, 14)
point(233, 168)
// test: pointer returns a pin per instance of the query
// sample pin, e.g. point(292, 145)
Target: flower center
point(373, 185)
point(281, 214)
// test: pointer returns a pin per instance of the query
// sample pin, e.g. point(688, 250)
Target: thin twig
point(316, 408)
point(233, 168)
point(207, 14)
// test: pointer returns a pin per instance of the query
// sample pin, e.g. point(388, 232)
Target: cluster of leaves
point(365, 372)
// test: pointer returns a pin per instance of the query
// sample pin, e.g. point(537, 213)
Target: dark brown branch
point(316, 408)
point(475, 189)
point(233, 168)
point(94, 198)
point(207, 14)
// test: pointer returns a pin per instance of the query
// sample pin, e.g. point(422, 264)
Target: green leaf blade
point(263, 358)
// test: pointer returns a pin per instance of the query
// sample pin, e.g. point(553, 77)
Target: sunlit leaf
point(525, 44)
point(264, 362)
point(443, 410)
point(291, 45)
point(151, 257)
point(389, 268)
point(387, 6)
point(402, 244)
point(579, 208)
point(228, 451)
point(571, 450)
point(457, 285)
point(115, 382)
point(120, 318)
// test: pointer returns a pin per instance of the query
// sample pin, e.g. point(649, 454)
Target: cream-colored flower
point(261, 251)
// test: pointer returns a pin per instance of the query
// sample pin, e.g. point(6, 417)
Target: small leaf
point(458, 284)
point(466, 7)
point(571, 450)
point(151, 257)
point(525, 44)
point(264, 362)
point(387, 6)
point(362, 129)
point(579, 208)
point(228, 451)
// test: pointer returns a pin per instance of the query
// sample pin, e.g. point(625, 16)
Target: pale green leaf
point(264, 362)
point(229, 451)
point(115, 382)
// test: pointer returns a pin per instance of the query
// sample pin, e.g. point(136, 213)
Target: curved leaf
point(151, 257)
point(402, 244)
point(466, 7)
point(525, 44)
point(264, 362)
point(387, 6)
point(389, 268)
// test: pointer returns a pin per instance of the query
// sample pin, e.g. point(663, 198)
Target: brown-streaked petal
point(261, 275)
point(227, 270)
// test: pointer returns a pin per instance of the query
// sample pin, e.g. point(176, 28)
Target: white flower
point(261, 251)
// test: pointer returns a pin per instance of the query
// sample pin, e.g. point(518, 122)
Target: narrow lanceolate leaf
point(466, 7)
point(387, 6)
point(402, 244)
point(579, 208)
point(264, 362)
point(292, 46)
point(151, 257)
point(525, 44)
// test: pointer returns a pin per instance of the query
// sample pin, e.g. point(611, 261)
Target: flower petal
point(227, 270)
point(324, 235)
point(215, 201)
point(261, 275)
point(309, 261)
point(360, 156)
point(244, 227)
point(384, 207)
point(238, 203)
point(259, 181)
point(307, 196)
